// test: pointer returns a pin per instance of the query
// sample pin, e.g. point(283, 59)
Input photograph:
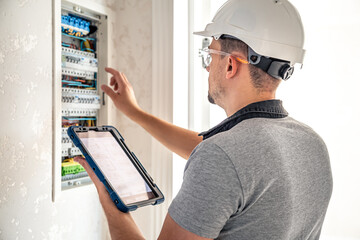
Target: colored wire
point(79, 119)
point(84, 48)
point(83, 39)
point(89, 49)
point(73, 36)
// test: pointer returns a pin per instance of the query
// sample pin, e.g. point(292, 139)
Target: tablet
point(125, 178)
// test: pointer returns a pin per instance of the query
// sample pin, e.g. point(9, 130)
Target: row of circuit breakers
point(80, 101)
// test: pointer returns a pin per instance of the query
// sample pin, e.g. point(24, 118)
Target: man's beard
point(211, 99)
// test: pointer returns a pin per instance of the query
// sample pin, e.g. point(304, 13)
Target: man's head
point(268, 33)
point(261, 80)
point(232, 77)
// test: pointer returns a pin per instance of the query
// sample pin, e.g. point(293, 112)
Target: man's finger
point(112, 71)
point(85, 165)
point(82, 161)
point(124, 78)
point(109, 92)
point(119, 79)
point(112, 81)
point(90, 171)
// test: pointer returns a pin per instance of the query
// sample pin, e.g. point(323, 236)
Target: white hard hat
point(272, 28)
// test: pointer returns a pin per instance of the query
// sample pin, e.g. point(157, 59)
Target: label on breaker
point(78, 64)
point(64, 130)
point(69, 152)
point(78, 91)
point(66, 50)
point(78, 73)
point(79, 61)
point(79, 112)
point(66, 143)
point(80, 101)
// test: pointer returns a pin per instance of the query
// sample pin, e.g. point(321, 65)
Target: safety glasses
point(206, 56)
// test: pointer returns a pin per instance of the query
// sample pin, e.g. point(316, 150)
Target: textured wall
point(131, 53)
point(26, 209)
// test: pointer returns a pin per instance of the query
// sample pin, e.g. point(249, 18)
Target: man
point(257, 175)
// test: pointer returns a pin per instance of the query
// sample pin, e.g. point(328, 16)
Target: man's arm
point(171, 230)
point(122, 225)
point(176, 139)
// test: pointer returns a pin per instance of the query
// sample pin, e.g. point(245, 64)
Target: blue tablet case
point(116, 199)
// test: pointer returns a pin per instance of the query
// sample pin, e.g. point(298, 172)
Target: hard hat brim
point(203, 33)
point(207, 34)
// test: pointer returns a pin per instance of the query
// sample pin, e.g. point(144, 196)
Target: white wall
point(142, 47)
point(26, 208)
point(131, 53)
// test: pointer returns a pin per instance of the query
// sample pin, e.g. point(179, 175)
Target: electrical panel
point(81, 40)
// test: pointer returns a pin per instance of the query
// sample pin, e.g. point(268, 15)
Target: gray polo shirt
point(262, 178)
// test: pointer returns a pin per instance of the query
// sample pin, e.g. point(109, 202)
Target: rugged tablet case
point(116, 199)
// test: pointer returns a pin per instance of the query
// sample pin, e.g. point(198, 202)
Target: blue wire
point(65, 81)
point(81, 44)
point(79, 119)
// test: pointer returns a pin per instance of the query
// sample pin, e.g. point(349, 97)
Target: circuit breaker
point(83, 56)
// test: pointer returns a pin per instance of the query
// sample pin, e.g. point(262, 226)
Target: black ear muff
point(276, 68)
point(286, 71)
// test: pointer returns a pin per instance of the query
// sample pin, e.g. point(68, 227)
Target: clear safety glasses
point(206, 56)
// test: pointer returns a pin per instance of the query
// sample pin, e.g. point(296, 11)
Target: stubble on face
point(216, 90)
point(214, 96)
point(211, 99)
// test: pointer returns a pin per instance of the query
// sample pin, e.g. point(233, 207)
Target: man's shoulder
point(255, 127)
point(248, 129)
point(252, 134)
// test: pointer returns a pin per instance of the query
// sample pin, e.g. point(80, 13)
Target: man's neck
point(238, 104)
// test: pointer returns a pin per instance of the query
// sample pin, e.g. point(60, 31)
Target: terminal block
point(69, 166)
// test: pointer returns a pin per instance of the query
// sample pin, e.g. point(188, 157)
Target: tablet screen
point(117, 168)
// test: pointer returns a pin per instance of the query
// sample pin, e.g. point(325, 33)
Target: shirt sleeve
point(210, 193)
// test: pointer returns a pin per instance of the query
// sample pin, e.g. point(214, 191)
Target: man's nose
point(208, 68)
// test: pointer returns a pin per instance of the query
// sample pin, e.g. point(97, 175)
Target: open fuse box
point(83, 57)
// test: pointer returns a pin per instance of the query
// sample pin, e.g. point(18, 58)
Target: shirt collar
point(264, 109)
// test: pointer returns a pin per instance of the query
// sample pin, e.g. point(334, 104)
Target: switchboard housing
point(80, 56)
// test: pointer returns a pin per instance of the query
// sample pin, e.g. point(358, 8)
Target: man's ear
point(231, 67)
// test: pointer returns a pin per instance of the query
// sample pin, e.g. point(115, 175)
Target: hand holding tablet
point(126, 180)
